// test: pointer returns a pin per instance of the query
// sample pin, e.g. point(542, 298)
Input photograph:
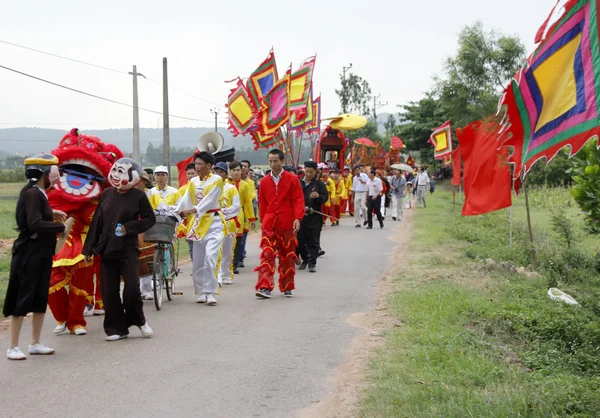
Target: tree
point(586, 165)
point(389, 125)
point(355, 94)
point(477, 74)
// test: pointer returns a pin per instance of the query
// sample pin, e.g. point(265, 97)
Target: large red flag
point(456, 174)
point(486, 174)
point(181, 168)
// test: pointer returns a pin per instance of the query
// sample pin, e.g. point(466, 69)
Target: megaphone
point(211, 142)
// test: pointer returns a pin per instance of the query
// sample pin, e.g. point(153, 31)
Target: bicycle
point(165, 259)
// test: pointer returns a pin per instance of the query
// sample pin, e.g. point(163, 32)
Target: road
point(243, 358)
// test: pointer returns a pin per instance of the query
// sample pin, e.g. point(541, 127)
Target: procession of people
point(216, 209)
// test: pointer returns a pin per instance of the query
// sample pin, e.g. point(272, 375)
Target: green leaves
point(587, 185)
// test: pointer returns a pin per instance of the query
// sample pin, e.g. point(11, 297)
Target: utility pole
point(344, 69)
point(136, 116)
point(215, 111)
point(377, 106)
point(166, 137)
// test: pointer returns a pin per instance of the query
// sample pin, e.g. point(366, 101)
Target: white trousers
point(226, 266)
point(204, 264)
point(397, 203)
point(146, 285)
point(421, 195)
point(383, 206)
point(360, 206)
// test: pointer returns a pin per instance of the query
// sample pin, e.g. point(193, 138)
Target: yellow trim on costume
point(67, 262)
point(78, 292)
point(60, 284)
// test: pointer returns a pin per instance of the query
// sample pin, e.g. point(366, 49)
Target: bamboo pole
point(531, 243)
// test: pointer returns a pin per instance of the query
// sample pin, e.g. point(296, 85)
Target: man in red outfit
point(281, 207)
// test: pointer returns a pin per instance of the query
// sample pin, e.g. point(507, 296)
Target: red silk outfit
point(279, 206)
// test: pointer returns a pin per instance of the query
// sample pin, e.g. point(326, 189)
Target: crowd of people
point(216, 208)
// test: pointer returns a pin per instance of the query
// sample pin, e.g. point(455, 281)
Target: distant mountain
point(33, 140)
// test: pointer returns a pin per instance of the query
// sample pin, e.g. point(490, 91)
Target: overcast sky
point(396, 45)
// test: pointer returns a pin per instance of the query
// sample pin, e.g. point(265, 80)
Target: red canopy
point(364, 141)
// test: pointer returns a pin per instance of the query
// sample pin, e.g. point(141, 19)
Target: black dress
point(32, 253)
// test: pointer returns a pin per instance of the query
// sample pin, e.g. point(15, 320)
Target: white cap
point(161, 169)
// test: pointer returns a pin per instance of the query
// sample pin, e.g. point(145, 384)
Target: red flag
point(181, 168)
point(486, 172)
point(456, 174)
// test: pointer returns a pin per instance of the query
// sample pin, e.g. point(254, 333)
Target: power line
point(105, 68)
point(96, 96)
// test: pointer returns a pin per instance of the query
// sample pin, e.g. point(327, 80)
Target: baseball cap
point(161, 169)
point(222, 166)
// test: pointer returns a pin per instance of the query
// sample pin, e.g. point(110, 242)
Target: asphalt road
point(243, 358)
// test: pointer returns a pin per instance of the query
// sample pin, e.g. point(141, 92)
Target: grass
point(11, 189)
point(474, 344)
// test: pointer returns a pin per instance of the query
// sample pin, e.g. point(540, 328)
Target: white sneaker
point(79, 331)
point(202, 299)
point(211, 300)
point(147, 296)
point(98, 312)
point(146, 330)
point(40, 349)
point(88, 310)
point(60, 328)
point(227, 281)
point(15, 353)
point(115, 337)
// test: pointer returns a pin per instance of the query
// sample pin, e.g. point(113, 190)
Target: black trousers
point(121, 314)
point(374, 205)
point(238, 251)
point(309, 241)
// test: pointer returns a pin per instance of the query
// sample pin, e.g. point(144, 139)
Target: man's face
point(161, 179)
point(275, 163)
point(202, 168)
point(309, 173)
point(356, 171)
point(221, 173)
point(246, 167)
point(371, 176)
point(335, 176)
point(235, 173)
point(191, 173)
point(251, 175)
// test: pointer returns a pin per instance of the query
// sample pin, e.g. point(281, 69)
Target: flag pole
point(531, 245)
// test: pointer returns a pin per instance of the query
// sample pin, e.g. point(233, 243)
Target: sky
point(397, 46)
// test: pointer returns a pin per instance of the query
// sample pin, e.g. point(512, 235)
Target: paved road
point(243, 358)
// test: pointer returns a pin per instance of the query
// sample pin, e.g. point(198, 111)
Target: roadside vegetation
point(476, 334)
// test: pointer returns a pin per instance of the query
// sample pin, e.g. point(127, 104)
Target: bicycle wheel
point(170, 278)
point(157, 276)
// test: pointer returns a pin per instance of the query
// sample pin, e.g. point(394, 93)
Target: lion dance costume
point(84, 162)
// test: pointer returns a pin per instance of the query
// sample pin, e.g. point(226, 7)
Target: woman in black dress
point(32, 253)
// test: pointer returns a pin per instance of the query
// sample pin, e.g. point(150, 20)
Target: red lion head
point(84, 164)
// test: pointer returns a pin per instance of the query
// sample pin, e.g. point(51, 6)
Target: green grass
point(474, 344)
point(10, 189)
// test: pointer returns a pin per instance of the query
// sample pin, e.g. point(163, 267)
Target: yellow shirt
point(330, 191)
point(246, 214)
point(230, 204)
point(348, 185)
point(340, 191)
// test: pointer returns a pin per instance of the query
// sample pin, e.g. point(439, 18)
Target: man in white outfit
point(422, 184)
point(398, 185)
point(359, 188)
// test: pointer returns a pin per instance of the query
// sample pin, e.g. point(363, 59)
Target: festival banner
point(441, 139)
point(274, 108)
point(315, 125)
point(299, 120)
point(265, 141)
point(262, 80)
point(300, 86)
point(241, 109)
point(553, 101)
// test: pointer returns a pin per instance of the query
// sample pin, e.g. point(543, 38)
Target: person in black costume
point(128, 206)
point(309, 235)
point(32, 253)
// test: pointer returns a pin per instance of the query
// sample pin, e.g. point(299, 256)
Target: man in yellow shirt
point(328, 206)
point(248, 221)
point(246, 215)
point(230, 204)
point(167, 193)
point(349, 203)
point(341, 196)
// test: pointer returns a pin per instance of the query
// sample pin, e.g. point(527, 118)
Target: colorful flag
point(181, 170)
point(265, 141)
point(300, 86)
point(315, 125)
point(274, 108)
point(553, 100)
point(486, 174)
point(441, 139)
point(456, 173)
point(300, 119)
point(241, 110)
point(262, 80)
point(447, 160)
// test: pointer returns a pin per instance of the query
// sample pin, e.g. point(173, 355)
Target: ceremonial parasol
point(364, 141)
point(403, 167)
point(347, 122)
